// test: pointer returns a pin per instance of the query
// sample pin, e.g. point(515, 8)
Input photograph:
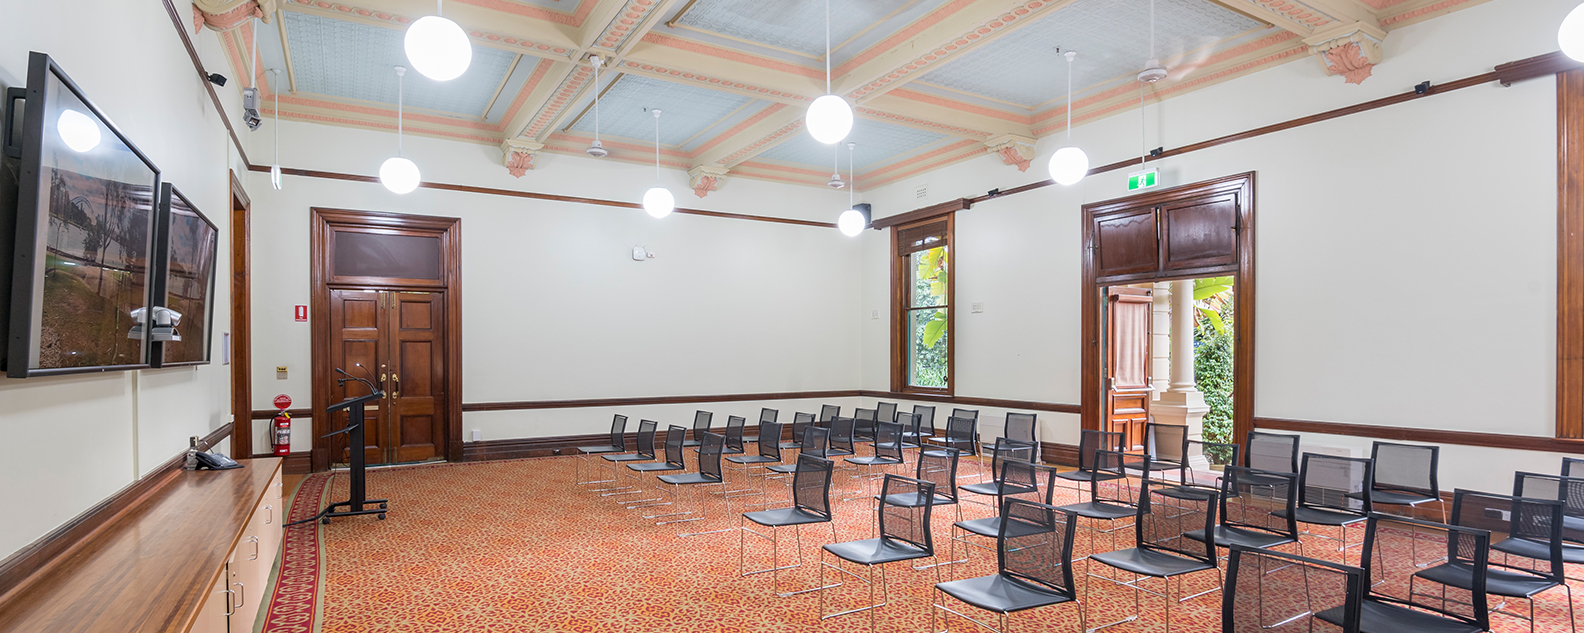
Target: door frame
point(241, 323)
point(1242, 272)
point(323, 219)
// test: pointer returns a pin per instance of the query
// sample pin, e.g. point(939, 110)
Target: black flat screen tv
point(82, 230)
point(185, 245)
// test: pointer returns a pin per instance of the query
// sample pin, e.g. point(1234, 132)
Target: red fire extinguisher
point(281, 437)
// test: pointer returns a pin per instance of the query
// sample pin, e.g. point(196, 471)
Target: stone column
point(1160, 340)
point(1182, 403)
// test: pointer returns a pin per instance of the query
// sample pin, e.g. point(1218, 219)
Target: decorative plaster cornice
point(224, 15)
point(705, 178)
point(772, 137)
point(944, 51)
point(714, 81)
point(1350, 50)
point(394, 18)
point(624, 25)
point(559, 101)
point(1014, 149)
point(518, 155)
point(1297, 11)
point(907, 120)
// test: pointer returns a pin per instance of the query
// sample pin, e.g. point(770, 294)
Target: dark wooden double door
point(397, 340)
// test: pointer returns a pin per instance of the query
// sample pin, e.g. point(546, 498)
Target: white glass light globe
point(659, 202)
point(399, 175)
point(275, 177)
point(78, 131)
point(1069, 165)
point(438, 48)
point(851, 222)
point(829, 119)
point(1571, 34)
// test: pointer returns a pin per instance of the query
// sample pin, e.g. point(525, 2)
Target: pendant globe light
point(829, 118)
point(399, 174)
point(437, 47)
point(851, 221)
point(1571, 34)
point(1069, 164)
point(658, 200)
point(275, 170)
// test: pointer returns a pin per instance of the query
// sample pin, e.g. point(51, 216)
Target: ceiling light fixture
point(851, 221)
point(829, 118)
point(1069, 164)
point(1570, 36)
point(596, 150)
point(1153, 70)
point(437, 47)
point(275, 170)
point(658, 200)
point(399, 174)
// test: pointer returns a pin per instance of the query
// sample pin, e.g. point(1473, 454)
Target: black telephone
point(214, 461)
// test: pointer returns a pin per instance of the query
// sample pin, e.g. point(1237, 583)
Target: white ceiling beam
point(775, 129)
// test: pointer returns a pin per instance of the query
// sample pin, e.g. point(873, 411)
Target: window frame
point(901, 302)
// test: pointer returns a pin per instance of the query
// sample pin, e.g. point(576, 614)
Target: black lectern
point(354, 427)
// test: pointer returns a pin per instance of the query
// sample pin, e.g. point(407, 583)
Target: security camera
point(217, 79)
point(250, 114)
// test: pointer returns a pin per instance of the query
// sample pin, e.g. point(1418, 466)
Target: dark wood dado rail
point(1428, 436)
point(151, 567)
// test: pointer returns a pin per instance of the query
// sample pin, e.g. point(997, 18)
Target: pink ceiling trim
point(375, 125)
point(944, 51)
point(624, 24)
point(960, 106)
point(820, 181)
point(404, 20)
point(930, 19)
point(579, 151)
point(736, 56)
point(583, 139)
point(788, 129)
point(972, 153)
point(914, 160)
point(388, 112)
point(1427, 9)
point(559, 101)
point(939, 127)
point(1296, 11)
point(736, 129)
point(559, 17)
point(541, 68)
point(753, 164)
point(714, 81)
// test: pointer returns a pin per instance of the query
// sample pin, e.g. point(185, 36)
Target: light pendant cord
point(657, 147)
point(827, 47)
point(1070, 56)
point(852, 175)
point(596, 100)
point(253, 70)
point(440, 8)
point(1152, 29)
point(275, 89)
point(1143, 127)
point(399, 72)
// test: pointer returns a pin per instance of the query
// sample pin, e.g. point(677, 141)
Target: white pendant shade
point(1571, 35)
point(829, 119)
point(438, 48)
point(275, 177)
point(1069, 165)
point(79, 131)
point(659, 202)
point(851, 222)
point(399, 175)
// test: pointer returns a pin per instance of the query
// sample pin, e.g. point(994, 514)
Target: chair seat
point(993, 488)
point(652, 467)
point(870, 460)
point(1256, 479)
point(782, 468)
point(1154, 465)
point(1231, 535)
point(627, 457)
point(1393, 497)
point(602, 449)
point(750, 439)
point(727, 450)
point(1088, 475)
point(1319, 516)
point(1530, 548)
point(1100, 510)
point(1381, 617)
point(991, 527)
point(783, 517)
point(685, 479)
point(752, 459)
point(1150, 562)
point(797, 445)
point(1188, 493)
point(1498, 581)
point(837, 452)
point(875, 551)
point(1001, 594)
point(915, 500)
point(690, 443)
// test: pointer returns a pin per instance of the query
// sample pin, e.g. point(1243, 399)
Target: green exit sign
point(1143, 179)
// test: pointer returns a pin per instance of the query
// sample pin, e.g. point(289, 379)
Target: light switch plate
point(874, 314)
point(639, 254)
point(977, 306)
point(478, 436)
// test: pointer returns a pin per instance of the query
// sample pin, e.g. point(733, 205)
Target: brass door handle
point(396, 379)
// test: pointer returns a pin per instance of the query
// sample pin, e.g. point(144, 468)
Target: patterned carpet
point(513, 546)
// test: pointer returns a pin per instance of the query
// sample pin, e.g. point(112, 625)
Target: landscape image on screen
point(192, 256)
point(99, 201)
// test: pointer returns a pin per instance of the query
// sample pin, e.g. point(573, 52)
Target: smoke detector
point(1153, 72)
point(836, 182)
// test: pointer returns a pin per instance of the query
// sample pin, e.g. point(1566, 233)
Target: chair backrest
point(1017, 475)
point(828, 411)
point(646, 433)
point(710, 449)
point(1259, 500)
point(841, 434)
point(1568, 490)
point(800, 421)
point(1272, 452)
point(815, 440)
point(701, 423)
point(769, 415)
point(675, 435)
point(1388, 562)
point(1410, 468)
point(1216, 453)
point(811, 484)
point(1110, 485)
point(864, 423)
point(1538, 520)
point(1164, 517)
point(963, 434)
point(1335, 483)
point(972, 414)
point(618, 435)
point(1020, 427)
point(1269, 590)
point(940, 468)
point(1090, 441)
point(888, 441)
point(908, 421)
point(909, 523)
point(886, 411)
point(770, 440)
point(734, 432)
point(1166, 442)
point(1035, 545)
point(926, 414)
point(1009, 450)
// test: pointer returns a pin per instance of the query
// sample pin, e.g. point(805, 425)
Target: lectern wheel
point(382, 506)
point(382, 516)
point(325, 520)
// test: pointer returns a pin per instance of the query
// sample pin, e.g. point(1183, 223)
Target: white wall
point(118, 426)
point(1405, 256)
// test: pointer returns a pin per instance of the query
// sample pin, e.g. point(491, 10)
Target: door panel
point(418, 373)
point(1128, 313)
point(356, 324)
point(1200, 233)
point(1126, 242)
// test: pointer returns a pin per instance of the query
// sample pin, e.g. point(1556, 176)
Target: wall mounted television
point(80, 233)
point(185, 244)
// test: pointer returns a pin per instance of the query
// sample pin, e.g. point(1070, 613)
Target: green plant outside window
point(927, 318)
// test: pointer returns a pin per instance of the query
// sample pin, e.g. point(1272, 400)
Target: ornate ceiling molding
point(1014, 149)
point(558, 101)
point(224, 15)
point(518, 155)
point(1350, 50)
point(705, 178)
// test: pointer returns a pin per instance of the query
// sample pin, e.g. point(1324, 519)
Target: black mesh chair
point(910, 429)
point(1214, 454)
point(1567, 466)
point(646, 453)
point(1568, 490)
point(1405, 475)
point(811, 483)
point(904, 536)
point(939, 468)
point(1269, 591)
point(885, 411)
point(1256, 510)
point(734, 435)
point(1531, 520)
point(674, 461)
point(1333, 492)
point(962, 438)
point(829, 412)
point(1161, 525)
point(701, 425)
point(1272, 452)
point(864, 424)
point(1165, 450)
point(925, 426)
point(1090, 441)
point(841, 439)
point(887, 452)
point(1019, 427)
point(765, 415)
point(814, 444)
point(1014, 478)
point(1390, 603)
point(800, 421)
point(1111, 499)
point(618, 444)
point(1034, 568)
point(709, 474)
point(1005, 450)
point(971, 414)
point(769, 453)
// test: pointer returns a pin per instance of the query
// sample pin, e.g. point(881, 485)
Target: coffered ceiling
point(933, 82)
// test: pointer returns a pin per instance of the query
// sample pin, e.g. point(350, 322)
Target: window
point(921, 326)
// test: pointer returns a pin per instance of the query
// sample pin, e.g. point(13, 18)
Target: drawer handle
point(256, 546)
point(241, 595)
point(230, 608)
point(269, 516)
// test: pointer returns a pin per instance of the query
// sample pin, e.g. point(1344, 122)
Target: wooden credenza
point(194, 555)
